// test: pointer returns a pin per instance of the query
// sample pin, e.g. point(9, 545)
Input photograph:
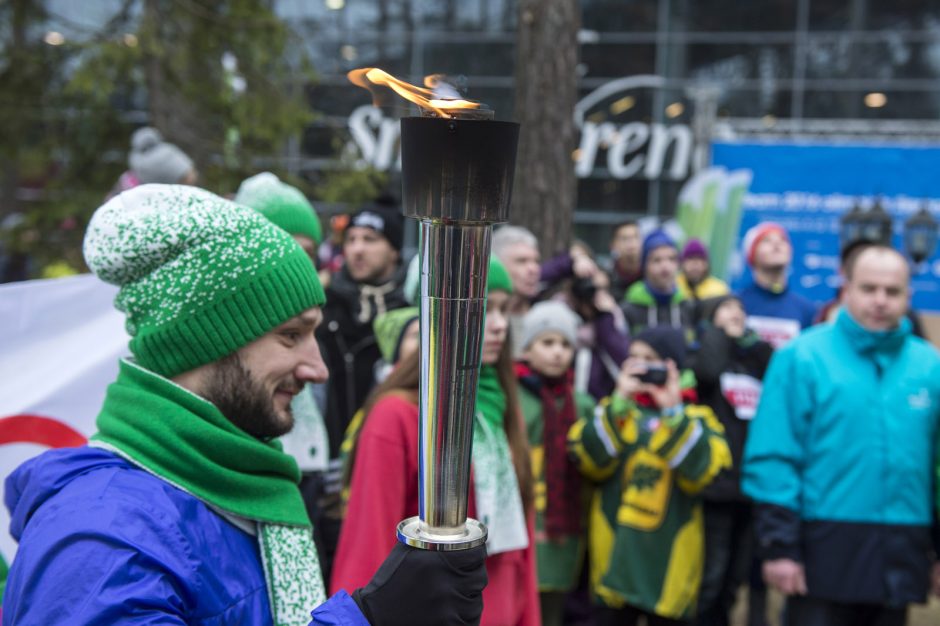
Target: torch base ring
point(414, 532)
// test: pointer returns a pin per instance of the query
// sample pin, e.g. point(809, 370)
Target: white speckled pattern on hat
point(198, 274)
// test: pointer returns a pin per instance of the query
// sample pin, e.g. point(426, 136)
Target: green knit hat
point(199, 276)
point(498, 278)
point(281, 203)
point(390, 328)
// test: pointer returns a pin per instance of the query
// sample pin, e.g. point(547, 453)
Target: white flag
point(60, 341)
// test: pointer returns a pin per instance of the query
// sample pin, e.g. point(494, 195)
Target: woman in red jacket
point(383, 487)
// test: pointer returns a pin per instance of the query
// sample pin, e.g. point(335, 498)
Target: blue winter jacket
point(840, 458)
point(786, 304)
point(103, 542)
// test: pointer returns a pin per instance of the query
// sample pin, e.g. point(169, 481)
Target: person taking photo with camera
point(603, 337)
point(652, 449)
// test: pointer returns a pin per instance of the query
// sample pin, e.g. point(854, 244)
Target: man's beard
point(245, 401)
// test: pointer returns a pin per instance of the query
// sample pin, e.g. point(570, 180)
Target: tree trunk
point(545, 189)
point(178, 118)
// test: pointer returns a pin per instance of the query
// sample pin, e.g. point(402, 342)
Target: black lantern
point(920, 235)
point(850, 227)
point(876, 225)
point(871, 226)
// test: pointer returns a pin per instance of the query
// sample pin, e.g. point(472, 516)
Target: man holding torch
point(182, 510)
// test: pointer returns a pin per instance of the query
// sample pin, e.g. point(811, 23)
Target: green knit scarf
point(182, 438)
point(495, 485)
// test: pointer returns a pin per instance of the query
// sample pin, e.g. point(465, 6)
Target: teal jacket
point(841, 458)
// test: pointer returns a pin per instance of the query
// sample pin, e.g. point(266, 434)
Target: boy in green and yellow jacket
point(652, 449)
point(551, 406)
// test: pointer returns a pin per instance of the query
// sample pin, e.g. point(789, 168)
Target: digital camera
point(583, 290)
point(655, 375)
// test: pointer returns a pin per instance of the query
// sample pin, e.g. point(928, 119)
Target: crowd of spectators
point(662, 477)
point(646, 441)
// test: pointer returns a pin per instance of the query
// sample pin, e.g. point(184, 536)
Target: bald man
point(841, 457)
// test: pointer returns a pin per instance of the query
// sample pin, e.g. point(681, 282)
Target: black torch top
point(457, 170)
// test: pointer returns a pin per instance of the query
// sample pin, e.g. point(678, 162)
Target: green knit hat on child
point(281, 203)
point(389, 329)
point(199, 276)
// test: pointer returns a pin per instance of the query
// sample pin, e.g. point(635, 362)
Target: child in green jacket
point(653, 449)
point(551, 406)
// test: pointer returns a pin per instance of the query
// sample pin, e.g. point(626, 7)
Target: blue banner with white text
point(808, 187)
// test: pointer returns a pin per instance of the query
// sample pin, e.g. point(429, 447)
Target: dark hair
point(403, 381)
point(623, 224)
point(854, 250)
point(851, 250)
point(514, 424)
point(706, 309)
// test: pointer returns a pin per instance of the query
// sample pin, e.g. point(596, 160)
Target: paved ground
point(920, 616)
point(927, 615)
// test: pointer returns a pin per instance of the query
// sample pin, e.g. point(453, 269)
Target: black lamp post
point(920, 235)
point(876, 225)
point(873, 226)
point(850, 227)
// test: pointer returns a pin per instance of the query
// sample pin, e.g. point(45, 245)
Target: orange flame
point(428, 99)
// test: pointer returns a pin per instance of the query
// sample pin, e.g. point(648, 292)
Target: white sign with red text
point(742, 392)
point(777, 331)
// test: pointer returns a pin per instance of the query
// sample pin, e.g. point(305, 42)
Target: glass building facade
point(859, 69)
point(658, 81)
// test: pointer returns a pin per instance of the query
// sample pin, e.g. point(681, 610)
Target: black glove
point(417, 587)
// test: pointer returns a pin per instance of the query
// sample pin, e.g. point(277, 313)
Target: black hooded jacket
point(719, 354)
point(348, 344)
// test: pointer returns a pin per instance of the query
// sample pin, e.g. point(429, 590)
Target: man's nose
point(354, 245)
point(313, 369)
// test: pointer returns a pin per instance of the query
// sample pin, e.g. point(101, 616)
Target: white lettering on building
point(633, 150)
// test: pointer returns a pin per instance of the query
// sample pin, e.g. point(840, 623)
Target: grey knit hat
point(550, 316)
point(155, 161)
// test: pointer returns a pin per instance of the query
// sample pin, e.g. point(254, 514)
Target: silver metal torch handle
point(454, 261)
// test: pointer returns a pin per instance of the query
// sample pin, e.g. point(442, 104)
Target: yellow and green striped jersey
point(645, 528)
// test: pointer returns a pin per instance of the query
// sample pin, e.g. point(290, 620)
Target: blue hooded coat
point(104, 542)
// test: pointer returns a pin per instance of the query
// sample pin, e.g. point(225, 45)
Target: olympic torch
point(457, 172)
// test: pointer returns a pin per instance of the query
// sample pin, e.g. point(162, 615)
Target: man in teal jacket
point(841, 454)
